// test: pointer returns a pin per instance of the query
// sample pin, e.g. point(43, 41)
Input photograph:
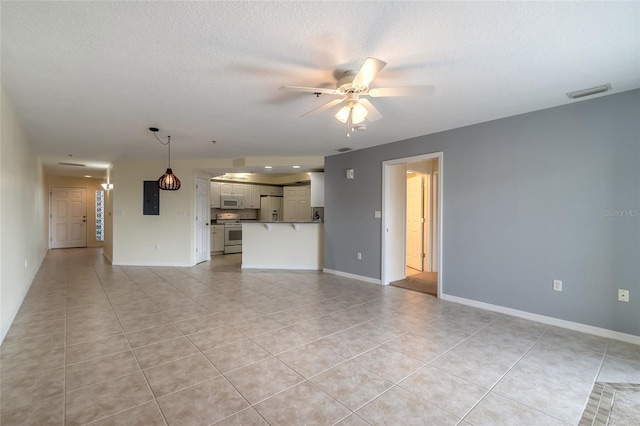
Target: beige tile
point(239, 315)
point(302, 404)
point(29, 365)
point(147, 414)
point(263, 379)
point(48, 411)
point(107, 398)
point(31, 346)
point(100, 370)
point(437, 387)
point(498, 410)
point(255, 328)
point(202, 404)
point(209, 339)
point(153, 335)
point(619, 370)
point(248, 417)
point(39, 316)
point(96, 348)
point(236, 355)
point(179, 374)
point(311, 359)
point(398, 406)
point(22, 331)
point(93, 332)
point(624, 350)
point(186, 313)
point(280, 340)
point(351, 385)
point(145, 321)
point(353, 420)
point(160, 353)
point(202, 323)
point(389, 364)
point(23, 391)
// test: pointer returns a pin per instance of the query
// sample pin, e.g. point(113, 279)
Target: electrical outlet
point(359, 256)
point(623, 295)
point(557, 285)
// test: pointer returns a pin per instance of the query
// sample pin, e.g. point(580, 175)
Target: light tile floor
point(212, 344)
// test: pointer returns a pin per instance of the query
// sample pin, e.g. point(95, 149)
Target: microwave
point(231, 202)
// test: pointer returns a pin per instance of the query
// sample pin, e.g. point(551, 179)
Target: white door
point(202, 220)
point(414, 222)
point(68, 217)
point(395, 184)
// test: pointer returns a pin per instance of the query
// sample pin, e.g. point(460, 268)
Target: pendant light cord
point(168, 142)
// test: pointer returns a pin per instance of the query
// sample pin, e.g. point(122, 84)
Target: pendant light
point(168, 181)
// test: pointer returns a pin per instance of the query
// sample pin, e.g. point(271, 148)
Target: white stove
point(232, 232)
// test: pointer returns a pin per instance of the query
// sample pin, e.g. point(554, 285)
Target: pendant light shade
point(168, 181)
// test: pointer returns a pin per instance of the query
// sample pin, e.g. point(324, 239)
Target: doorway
point(68, 226)
point(202, 220)
point(411, 231)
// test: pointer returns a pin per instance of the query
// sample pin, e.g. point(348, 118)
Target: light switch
point(377, 214)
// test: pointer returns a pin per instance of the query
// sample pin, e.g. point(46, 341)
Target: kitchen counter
point(283, 245)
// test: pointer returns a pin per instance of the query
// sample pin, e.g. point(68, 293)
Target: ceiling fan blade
point(310, 89)
point(373, 114)
point(402, 91)
point(324, 107)
point(368, 71)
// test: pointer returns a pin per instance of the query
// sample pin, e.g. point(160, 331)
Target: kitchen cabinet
point(297, 203)
point(217, 238)
point(271, 190)
point(215, 195)
point(252, 197)
point(317, 189)
point(227, 188)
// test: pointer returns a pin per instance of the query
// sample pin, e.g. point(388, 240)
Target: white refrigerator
point(270, 209)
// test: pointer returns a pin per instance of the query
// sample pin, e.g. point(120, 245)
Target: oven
point(232, 232)
point(232, 238)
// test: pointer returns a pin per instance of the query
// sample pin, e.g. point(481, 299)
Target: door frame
point(207, 219)
point(392, 232)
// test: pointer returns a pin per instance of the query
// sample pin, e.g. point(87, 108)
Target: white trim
point(354, 276)
point(584, 328)
point(285, 267)
point(384, 249)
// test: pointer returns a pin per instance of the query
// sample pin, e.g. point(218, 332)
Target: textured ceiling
point(89, 78)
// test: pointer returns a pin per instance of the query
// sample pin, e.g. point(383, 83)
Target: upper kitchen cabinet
point(215, 195)
point(271, 190)
point(227, 188)
point(317, 189)
point(252, 196)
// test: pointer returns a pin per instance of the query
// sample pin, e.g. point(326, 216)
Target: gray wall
point(525, 202)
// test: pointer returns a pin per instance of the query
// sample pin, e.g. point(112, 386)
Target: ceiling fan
point(351, 87)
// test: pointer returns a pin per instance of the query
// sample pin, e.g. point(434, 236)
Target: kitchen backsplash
point(245, 214)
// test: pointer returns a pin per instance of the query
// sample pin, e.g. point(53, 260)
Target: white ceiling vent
point(590, 91)
point(72, 164)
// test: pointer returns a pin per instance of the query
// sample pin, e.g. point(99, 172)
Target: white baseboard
point(354, 276)
point(12, 317)
point(584, 328)
point(290, 267)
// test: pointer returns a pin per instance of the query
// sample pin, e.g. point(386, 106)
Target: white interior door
point(202, 220)
point(435, 221)
point(68, 217)
point(394, 223)
point(414, 222)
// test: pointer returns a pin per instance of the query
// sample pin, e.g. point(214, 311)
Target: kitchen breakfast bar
point(282, 245)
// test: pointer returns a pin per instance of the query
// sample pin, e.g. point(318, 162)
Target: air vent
point(590, 91)
point(72, 164)
point(343, 149)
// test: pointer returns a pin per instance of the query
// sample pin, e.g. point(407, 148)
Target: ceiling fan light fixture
point(358, 114)
point(343, 115)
